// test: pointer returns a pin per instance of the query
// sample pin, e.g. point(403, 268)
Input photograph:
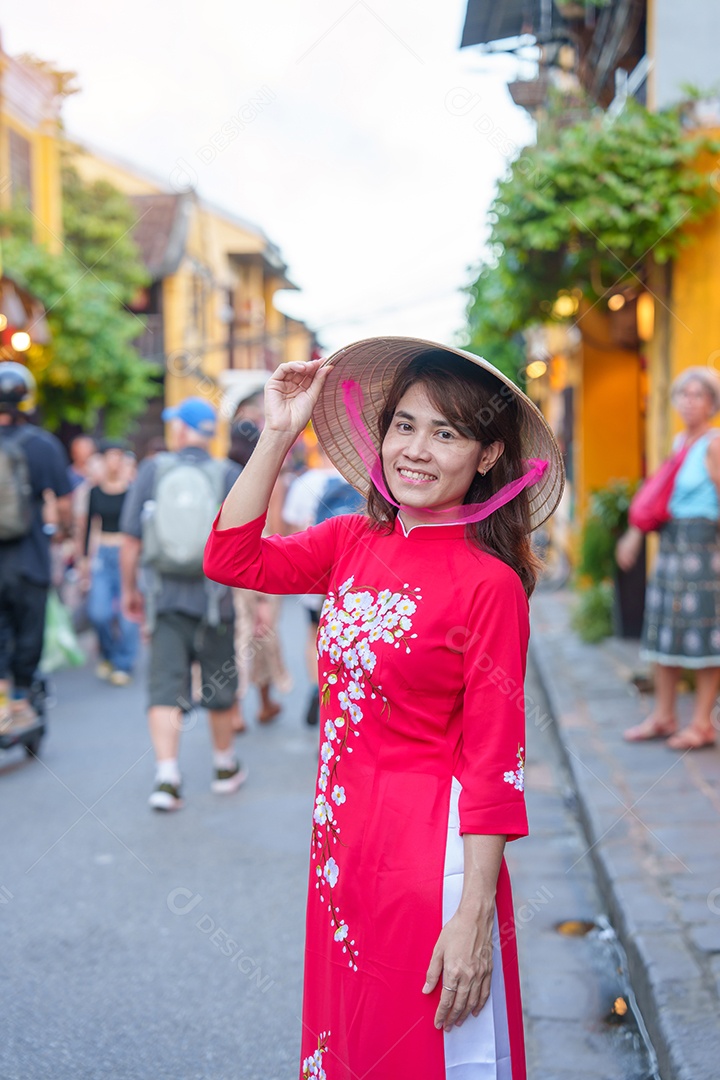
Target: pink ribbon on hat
point(465, 514)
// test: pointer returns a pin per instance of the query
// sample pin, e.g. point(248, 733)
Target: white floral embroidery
point(331, 872)
point(516, 777)
point(312, 1066)
point(351, 621)
point(323, 811)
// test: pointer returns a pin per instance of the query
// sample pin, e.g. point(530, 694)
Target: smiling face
point(428, 462)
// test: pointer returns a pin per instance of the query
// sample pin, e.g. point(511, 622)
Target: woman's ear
point(489, 456)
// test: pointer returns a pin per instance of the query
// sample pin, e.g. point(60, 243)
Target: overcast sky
point(370, 162)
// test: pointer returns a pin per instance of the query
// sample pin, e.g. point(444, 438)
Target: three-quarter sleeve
point(492, 764)
point(243, 557)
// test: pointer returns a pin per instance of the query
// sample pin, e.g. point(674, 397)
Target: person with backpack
point(32, 463)
point(166, 517)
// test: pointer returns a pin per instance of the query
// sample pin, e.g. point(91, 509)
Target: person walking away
point(257, 642)
point(165, 519)
point(32, 463)
point(682, 606)
point(118, 637)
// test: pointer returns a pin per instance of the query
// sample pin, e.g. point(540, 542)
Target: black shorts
point(177, 641)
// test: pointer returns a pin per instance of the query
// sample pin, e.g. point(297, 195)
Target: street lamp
point(20, 341)
point(536, 369)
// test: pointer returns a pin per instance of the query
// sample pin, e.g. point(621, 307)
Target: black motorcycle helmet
point(17, 387)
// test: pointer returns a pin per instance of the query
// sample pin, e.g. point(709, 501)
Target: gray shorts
point(177, 641)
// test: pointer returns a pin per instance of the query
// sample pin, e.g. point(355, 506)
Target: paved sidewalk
point(652, 820)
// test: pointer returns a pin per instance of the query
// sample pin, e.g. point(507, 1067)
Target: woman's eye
point(402, 426)
point(446, 436)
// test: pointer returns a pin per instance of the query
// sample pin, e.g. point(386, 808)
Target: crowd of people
point(121, 541)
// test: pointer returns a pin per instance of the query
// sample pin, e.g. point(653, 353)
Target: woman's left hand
point(462, 962)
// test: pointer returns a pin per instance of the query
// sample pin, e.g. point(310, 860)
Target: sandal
point(691, 739)
point(650, 729)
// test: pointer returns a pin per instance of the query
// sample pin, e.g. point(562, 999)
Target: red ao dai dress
point(421, 663)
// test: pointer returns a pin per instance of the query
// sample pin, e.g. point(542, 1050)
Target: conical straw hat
point(372, 364)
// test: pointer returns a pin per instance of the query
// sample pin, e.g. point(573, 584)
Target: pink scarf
point(353, 399)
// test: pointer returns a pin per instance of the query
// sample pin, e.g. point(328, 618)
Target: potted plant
point(607, 520)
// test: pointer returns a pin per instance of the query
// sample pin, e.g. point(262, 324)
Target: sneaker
point(120, 678)
point(104, 669)
point(166, 797)
point(228, 780)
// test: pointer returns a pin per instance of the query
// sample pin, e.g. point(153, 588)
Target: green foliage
point(606, 521)
point(597, 547)
point(16, 221)
point(89, 366)
point(584, 207)
point(495, 316)
point(592, 618)
point(97, 226)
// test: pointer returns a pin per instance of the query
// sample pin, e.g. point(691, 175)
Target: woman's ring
point(453, 989)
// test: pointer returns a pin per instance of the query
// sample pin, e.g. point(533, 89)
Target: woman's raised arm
point(290, 396)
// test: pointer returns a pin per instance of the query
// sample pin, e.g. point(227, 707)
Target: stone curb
point(676, 1006)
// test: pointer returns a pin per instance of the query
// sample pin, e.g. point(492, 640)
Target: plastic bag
point(61, 647)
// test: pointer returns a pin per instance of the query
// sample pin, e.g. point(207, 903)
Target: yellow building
point(210, 308)
point(29, 146)
point(687, 319)
point(29, 178)
point(607, 389)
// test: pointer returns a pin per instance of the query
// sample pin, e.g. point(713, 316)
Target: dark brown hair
point(481, 407)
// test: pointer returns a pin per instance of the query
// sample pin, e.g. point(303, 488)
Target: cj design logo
point(182, 901)
point(184, 176)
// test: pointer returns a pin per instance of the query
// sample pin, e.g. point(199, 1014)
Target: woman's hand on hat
point(291, 394)
point(461, 963)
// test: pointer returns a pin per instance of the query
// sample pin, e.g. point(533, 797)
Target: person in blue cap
point(166, 518)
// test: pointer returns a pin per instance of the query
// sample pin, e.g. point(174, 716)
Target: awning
point(495, 20)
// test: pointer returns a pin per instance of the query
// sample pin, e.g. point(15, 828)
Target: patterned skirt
point(682, 606)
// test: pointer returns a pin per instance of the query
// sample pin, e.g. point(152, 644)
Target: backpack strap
point(164, 461)
point(216, 471)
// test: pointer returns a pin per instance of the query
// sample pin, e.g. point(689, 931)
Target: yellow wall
point(687, 320)
point(695, 321)
point(608, 421)
point(48, 190)
point(93, 168)
point(45, 175)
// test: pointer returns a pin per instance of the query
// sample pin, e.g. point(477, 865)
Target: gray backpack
point(176, 524)
point(16, 494)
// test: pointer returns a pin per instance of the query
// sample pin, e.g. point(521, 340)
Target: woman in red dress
point(410, 965)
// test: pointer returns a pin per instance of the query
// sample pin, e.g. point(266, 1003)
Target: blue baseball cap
point(196, 412)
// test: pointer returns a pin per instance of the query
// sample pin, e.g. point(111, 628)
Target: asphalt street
point(138, 945)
